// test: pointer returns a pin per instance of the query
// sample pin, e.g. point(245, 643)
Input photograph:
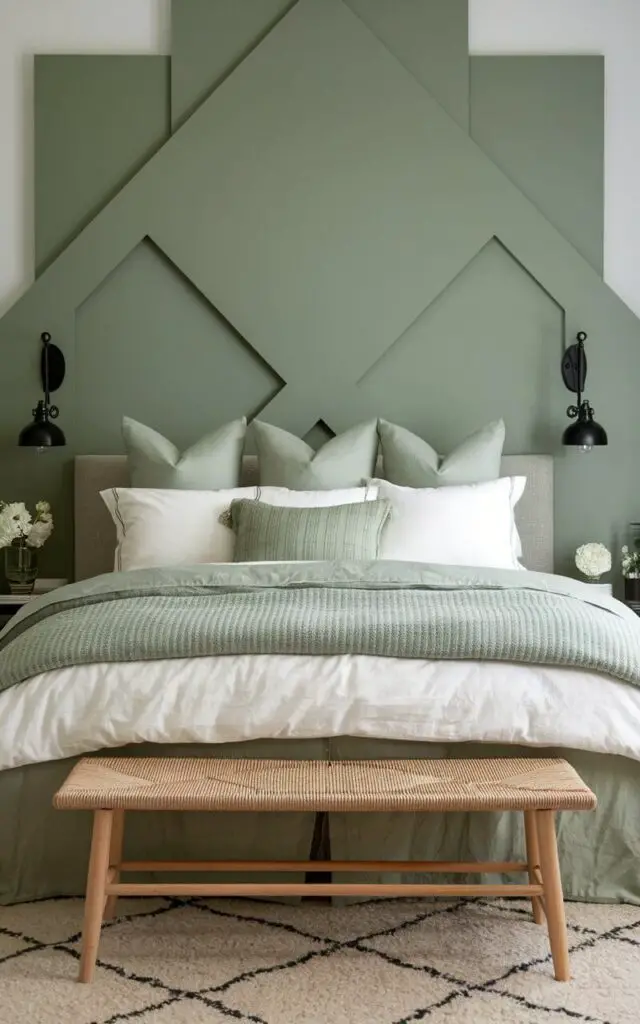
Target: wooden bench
point(109, 786)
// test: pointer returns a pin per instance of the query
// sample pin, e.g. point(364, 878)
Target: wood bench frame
point(106, 865)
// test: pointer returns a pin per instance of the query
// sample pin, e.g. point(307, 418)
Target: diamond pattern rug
point(170, 961)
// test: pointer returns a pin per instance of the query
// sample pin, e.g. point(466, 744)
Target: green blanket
point(390, 609)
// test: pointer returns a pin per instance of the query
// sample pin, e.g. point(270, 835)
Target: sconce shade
point(41, 433)
point(585, 432)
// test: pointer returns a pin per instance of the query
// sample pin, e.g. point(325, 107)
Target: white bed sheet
point(241, 697)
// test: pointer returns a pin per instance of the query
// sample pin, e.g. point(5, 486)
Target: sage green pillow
point(285, 460)
point(211, 464)
point(410, 462)
point(271, 533)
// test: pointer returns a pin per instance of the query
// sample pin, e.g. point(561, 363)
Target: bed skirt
point(44, 852)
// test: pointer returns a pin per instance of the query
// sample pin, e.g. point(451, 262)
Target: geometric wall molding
point(431, 41)
point(147, 340)
point(209, 40)
point(504, 336)
point(319, 434)
point(98, 120)
point(324, 206)
point(541, 120)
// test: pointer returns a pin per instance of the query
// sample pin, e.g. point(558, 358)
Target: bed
point(328, 706)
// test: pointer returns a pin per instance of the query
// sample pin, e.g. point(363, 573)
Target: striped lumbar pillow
point(267, 533)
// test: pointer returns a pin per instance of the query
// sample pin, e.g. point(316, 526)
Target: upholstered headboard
point(95, 534)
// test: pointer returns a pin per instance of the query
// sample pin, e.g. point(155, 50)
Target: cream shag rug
point(171, 961)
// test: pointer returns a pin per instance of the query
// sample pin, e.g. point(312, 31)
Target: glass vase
point(632, 592)
point(632, 583)
point(20, 568)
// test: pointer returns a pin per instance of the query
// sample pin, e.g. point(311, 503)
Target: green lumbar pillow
point(410, 462)
point(271, 533)
point(211, 464)
point(286, 461)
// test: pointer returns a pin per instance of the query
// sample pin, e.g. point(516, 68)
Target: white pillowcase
point(171, 527)
point(470, 524)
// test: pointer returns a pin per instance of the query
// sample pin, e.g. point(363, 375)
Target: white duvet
point(242, 697)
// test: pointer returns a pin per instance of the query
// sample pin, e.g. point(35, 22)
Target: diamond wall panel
point(149, 345)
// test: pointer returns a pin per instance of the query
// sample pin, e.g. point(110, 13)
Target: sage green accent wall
point(208, 40)
point(541, 119)
point(148, 342)
point(493, 339)
point(98, 120)
point(340, 243)
point(431, 40)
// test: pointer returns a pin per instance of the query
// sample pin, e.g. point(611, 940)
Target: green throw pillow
point(286, 461)
point(410, 462)
point(211, 464)
point(270, 533)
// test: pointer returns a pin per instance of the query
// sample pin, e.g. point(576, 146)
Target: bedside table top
point(43, 586)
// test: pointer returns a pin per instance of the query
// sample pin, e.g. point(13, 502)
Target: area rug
point(169, 961)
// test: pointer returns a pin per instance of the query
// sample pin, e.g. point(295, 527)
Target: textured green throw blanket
point(391, 609)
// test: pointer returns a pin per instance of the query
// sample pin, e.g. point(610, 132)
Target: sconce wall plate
point(57, 366)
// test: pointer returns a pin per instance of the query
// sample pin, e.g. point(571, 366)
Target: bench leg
point(533, 861)
point(95, 895)
point(115, 859)
point(553, 898)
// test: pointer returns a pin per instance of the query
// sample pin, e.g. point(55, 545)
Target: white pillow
point(468, 524)
point(171, 527)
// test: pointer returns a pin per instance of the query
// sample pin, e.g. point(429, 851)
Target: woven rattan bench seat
point(217, 784)
point(111, 786)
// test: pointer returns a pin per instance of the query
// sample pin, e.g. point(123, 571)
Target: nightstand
point(10, 604)
point(602, 588)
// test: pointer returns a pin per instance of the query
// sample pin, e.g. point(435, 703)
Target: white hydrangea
point(593, 560)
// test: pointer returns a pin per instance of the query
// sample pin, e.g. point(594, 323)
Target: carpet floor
point(167, 961)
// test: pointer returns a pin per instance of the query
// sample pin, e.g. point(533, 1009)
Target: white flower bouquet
point(21, 534)
point(593, 560)
point(20, 528)
point(630, 563)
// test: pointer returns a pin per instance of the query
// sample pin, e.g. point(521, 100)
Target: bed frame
point(95, 537)
point(29, 823)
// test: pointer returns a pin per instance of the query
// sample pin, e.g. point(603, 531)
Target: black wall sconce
point(42, 433)
point(585, 433)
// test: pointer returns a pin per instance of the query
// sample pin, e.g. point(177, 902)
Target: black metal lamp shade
point(585, 433)
point(42, 433)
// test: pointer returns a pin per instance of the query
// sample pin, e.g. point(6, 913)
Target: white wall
point(611, 27)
